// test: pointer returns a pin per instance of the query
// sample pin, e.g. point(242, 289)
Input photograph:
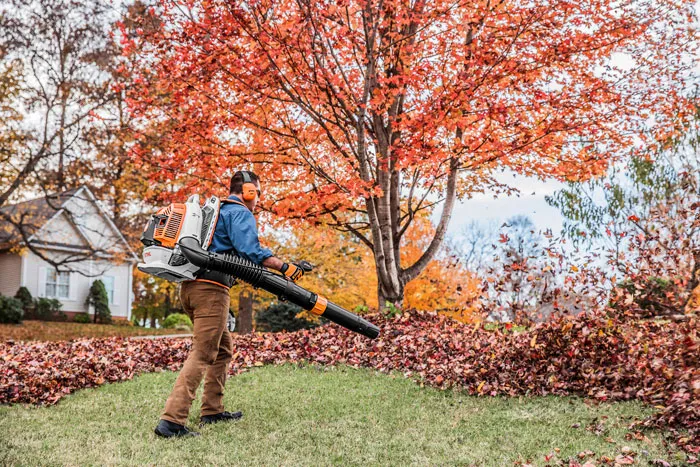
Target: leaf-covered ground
point(594, 357)
point(31, 330)
point(317, 415)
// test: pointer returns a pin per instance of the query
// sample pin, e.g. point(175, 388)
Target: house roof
point(36, 213)
point(32, 214)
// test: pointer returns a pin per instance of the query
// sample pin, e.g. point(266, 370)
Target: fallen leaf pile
point(43, 372)
point(592, 356)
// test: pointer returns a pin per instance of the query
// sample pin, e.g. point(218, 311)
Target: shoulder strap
point(233, 201)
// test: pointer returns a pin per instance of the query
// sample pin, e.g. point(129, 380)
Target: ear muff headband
point(249, 189)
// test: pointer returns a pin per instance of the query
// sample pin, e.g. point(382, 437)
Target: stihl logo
point(146, 255)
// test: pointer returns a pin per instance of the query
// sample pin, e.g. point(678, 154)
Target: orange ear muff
point(249, 190)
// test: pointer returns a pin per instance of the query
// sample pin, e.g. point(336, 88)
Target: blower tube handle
point(258, 276)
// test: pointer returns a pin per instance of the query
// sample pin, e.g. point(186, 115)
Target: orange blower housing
point(169, 222)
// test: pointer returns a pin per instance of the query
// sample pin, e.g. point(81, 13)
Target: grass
point(314, 416)
point(31, 330)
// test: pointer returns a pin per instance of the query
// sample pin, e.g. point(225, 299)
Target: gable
point(69, 219)
point(93, 225)
point(60, 231)
point(31, 215)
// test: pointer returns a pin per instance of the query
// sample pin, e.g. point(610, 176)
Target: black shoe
point(220, 417)
point(168, 429)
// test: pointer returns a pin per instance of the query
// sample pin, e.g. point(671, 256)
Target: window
point(57, 284)
point(108, 281)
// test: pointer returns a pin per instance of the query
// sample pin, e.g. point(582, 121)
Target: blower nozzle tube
point(258, 276)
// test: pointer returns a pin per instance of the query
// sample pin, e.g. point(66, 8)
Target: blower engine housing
point(162, 256)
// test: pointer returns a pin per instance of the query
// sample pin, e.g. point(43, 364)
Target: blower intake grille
point(169, 225)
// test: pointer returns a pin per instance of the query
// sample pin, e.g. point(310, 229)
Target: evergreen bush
point(83, 318)
point(25, 296)
point(98, 298)
point(48, 309)
point(10, 310)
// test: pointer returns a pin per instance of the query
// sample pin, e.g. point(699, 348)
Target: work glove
point(294, 271)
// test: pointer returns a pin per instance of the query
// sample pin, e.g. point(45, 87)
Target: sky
point(483, 208)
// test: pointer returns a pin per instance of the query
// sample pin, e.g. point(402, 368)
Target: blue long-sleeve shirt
point(237, 232)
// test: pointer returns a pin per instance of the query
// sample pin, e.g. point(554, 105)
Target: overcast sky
point(484, 208)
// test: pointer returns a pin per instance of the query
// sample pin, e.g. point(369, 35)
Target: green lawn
point(313, 416)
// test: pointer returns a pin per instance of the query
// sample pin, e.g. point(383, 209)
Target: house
point(73, 229)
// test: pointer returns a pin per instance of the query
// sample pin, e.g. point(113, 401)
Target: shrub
point(83, 318)
point(282, 317)
point(48, 309)
point(98, 298)
point(647, 297)
point(10, 310)
point(177, 320)
point(361, 309)
point(24, 295)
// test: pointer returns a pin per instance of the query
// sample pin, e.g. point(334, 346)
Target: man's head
point(241, 187)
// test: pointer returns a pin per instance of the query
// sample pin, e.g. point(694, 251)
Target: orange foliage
point(492, 84)
point(693, 305)
point(363, 114)
point(343, 269)
point(444, 285)
point(344, 272)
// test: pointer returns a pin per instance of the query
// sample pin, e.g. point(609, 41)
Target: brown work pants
point(207, 304)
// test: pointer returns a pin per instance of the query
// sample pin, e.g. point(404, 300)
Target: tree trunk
point(244, 323)
point(387, 298)
point(391, 277)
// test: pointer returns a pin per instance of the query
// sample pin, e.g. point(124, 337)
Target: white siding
point(92, 224)
point(60, 230)
point(80, 284)
point(10, 273)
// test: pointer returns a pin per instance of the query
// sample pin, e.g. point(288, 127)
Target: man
point(206, 300)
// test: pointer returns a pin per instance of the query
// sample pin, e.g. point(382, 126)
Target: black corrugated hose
point(285, 289)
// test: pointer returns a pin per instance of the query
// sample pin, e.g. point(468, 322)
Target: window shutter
point(42, 281)
point(73, 286)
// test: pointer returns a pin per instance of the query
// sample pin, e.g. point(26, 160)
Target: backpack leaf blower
point(176, 239)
